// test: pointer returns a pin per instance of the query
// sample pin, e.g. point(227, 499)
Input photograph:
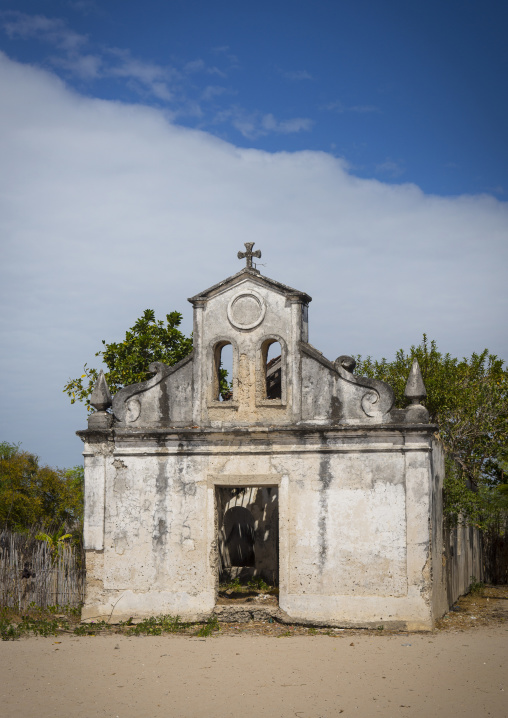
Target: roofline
point(253, 274)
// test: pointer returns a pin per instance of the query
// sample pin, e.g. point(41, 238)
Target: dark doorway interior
point(248, 536)
point(239, 537)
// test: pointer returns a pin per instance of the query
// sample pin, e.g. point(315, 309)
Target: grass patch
point(39, 627)
point(37, 621)
point(476, 588)
point(51, 621)
point(252, 586)
point(209, 627)
point(9, 631)
point(233, 585)
point(157, 625)
point(92, 628)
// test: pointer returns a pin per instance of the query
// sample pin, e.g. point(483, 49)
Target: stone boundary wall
point(463, 558)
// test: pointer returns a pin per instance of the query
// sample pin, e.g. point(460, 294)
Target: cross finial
point(248, 254)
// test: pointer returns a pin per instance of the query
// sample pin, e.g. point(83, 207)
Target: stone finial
point(415, 388)
point(101, 397)
point(415, 391)
point(248, 254)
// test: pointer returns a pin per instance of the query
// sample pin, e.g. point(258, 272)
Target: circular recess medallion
point(246, 310)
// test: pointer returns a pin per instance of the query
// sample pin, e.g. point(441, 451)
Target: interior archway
point(239, 535)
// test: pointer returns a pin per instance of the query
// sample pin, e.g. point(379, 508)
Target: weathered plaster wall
point(319, 393)
point(355, 480)
point(353, 523)
point(349, 526)
point(220, 320)
point(96, 456)
point(332, 394)
point(164, 400)
point(155, 540)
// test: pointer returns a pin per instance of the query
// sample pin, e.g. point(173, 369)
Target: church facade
point(292, 469)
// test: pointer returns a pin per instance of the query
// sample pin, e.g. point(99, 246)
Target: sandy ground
point(458, 670)
point(449, 674)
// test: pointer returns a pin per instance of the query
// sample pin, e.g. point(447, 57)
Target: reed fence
point(34, 572)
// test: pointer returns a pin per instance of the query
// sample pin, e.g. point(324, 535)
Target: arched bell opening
point(223, 371)
point(272, 369)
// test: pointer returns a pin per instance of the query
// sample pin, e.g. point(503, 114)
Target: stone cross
point(248, 254)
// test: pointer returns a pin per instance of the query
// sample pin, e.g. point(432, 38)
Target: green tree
point(33, 494)
point(468, 399)
point(149, 340)
point(55, 540)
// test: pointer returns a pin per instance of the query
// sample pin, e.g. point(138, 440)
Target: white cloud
point(247, 124)
point(200, 66)
point(86, 7)
point(151, 76)
point(86, 67)
point(216, 71)
point(51, 30)
point(297, 124)
point(390, 168)
point(107, 209)
point(498, 189)
point(194, 66)
point(225, 50)
point(335, 106)
point(254, 124)
point(212, 91)
point(145, 78)
point(297, 75)
point(175, 87)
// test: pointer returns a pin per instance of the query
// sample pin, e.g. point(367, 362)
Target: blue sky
point(361, 146)
point(403, 91)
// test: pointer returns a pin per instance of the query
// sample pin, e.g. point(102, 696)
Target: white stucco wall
point(353, 523)
point(356, 485)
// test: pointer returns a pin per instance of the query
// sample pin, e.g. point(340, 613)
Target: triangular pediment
point(256, 277)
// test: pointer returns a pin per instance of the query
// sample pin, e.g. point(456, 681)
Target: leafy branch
point(468, 399)
point(149, 340)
